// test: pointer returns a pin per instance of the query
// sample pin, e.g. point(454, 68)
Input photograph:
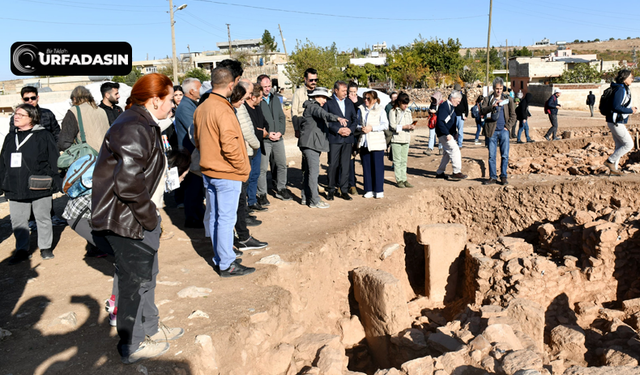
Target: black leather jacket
point(128, 170)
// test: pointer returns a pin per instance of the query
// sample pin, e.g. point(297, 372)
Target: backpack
point(79, 149)
point(606, 101)
point(547, 110)
point(79, 178)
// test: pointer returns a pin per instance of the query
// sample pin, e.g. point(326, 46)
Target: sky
point(146, 26)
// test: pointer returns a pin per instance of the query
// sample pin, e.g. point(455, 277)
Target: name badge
point(173, 179)
point(16, 159)
point(447, 119)
point(488, 115)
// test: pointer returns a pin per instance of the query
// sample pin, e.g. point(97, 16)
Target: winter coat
point(400, 118)
point(522, 111)
point(39, 156)
point(313, 127)
point(621, 104)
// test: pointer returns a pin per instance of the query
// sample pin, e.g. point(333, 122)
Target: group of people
point(226, 140)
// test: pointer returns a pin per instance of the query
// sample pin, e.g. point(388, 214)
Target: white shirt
point(340, 104)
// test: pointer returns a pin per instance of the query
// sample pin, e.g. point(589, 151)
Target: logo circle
point(25, 57)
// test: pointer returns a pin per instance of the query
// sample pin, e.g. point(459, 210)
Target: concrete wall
point(574, 96)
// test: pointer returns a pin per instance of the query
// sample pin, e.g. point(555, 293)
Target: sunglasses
point(367, 98)
point(27, 98)
point(313, 80)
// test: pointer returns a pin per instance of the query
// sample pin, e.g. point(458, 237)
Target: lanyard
point(18, 145)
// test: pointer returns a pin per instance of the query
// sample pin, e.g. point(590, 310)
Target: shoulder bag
point(79, 149)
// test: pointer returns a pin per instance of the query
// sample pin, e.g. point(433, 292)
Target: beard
point(112, 100)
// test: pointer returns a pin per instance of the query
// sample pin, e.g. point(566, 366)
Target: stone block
point(621, 329)
point(443, 343)
point(502, 333)
point(418, 366)
point(617, 356)
point(570, 340)
point(308, 345)
point(383, 309)
point(606, 370)
point(530, 315)
point(631, 306)
point(352, 331)
point(407, 345)
point(332, 359)
point(521, 360)
point(444, 244)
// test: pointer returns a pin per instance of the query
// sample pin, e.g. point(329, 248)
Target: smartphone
point(414, 122)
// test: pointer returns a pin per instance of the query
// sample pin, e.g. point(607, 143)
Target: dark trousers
point(554, 126)
point(339, 156)
point(193, 198)
point(241, 215)
point(372, 170)
point(352, 172)
point(137, 268)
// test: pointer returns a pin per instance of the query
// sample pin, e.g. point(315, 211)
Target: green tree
point(358, 73)
point(268, 42)
point(198, 73)
point(581, 73)
point(374, 73)
point(326, 60)
point(407, 68)
point(130, 78)
point(524, 51)
point(440, 56)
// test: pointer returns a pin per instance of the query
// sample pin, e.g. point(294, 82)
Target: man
point(225, 165)
point(462, 112)
point(47, 118)
point(591, 102)
point(341, 140)
point(357, 102)
point(184, 113)
point(260, 125)
point(499, 110)
point(393, 96)
point(110, 94)
point(447, 133)
point(299, 97)
point(234, 66)
point(552, 110)
point(274, 144)
point(192, 185)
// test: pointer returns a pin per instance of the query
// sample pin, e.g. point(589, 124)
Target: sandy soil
point(35, 294)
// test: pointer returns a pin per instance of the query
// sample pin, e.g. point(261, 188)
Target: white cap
point(556, 90)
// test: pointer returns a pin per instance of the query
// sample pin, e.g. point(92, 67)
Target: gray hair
point(455, 94)
point(498, 81)
point(189, 84)
point(248, 86)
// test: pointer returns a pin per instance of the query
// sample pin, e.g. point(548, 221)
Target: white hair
point(189, 84)
point(498, 81)
point(455, 94)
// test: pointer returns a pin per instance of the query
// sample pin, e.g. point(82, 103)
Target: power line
point(338, 15)
point(119, 5)
point(91, 7)
point(83, 24)
point(198, 27)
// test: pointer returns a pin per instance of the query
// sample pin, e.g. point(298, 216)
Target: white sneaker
point(379, 195)
point(165, 333)
point(320, 204)
point(477, 143)
point(148, 349)
point(368, 194)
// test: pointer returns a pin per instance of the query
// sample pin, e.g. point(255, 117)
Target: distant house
point(543, 42)
point(250, 45)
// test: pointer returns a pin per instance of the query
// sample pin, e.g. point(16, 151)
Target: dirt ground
point(35, 294)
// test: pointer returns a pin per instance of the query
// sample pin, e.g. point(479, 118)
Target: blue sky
point(145, 23)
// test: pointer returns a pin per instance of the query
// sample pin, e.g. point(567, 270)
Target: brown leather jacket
point(127, 172)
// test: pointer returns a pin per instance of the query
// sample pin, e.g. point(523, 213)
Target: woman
point(523, 114)
point(475, 113)
point(617, 118)
point(313, 141)
point(436, 99)
point(178, 94)
point(29, 155)
point(84, 111)
point(401, 124)
point(127, 184)
point(372, 120)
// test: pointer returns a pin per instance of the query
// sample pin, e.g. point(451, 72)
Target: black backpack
point(606, 101)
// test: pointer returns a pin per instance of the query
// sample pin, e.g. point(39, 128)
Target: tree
point(520, 52)
point(440, 56)
point(130, 78)
point(407, 68)
point(326, 60)
point(581, 73)
point(198, 73)
point(268, 42)
point(357, 73)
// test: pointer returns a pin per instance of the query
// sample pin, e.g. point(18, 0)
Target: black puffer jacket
point(128, 171)
point(39, 157)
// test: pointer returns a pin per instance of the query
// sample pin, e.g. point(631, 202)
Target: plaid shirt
point(75, 207)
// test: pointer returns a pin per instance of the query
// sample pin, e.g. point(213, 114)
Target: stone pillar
point(443, 248)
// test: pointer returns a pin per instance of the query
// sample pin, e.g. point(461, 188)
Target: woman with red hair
point(128, 184)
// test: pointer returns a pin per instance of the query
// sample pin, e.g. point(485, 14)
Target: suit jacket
point(350, 114)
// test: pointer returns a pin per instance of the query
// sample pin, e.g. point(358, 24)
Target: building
point(543, 42)
point(379, 47)
point(249, 45)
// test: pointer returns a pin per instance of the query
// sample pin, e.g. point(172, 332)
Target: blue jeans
point(432, 139)
point(252, 189)
point(524, 124)
point(479, 126)
point(499, 138)
point(460, 126)
point(222, 206)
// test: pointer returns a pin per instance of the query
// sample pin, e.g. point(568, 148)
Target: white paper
point(173, 179)
point(16, 159)
point(504, 102)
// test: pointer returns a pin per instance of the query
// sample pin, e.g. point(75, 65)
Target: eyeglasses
point(313, 80)
point(28, 98)
point(20, 115)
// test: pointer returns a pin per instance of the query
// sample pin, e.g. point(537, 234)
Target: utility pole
point(173, 41)
point(506, 44)
point(488, 42)
point(281, 37)
point(229, 34)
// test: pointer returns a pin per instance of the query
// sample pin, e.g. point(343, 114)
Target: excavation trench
point(314, 300)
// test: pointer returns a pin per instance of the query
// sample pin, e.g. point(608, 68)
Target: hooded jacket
point(39, 156)
point(129, 168)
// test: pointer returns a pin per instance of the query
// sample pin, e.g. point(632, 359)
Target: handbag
point(433, 120)
point(40, 182)
point(79, 149)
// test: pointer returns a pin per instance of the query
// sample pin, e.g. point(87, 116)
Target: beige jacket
point(397, 119)
point(94, 122)
point(299, 97)
point(248, 132)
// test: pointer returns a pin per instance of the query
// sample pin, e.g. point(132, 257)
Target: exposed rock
point(308, 345)
point(617, 356)
point(273, 259)
point(194, 292)
point(608, 370)
point(4, 334)
point(332, 359)
point(198, 314)
point(621, 329)
point(407, 345)
point(443, 343)
point(389, 371)
point(388, 250)
point(530, 315)
point(279, 360)
point(206, 356)
point(69, 319)
point(569, 340)
point(418, 366)
point(352, 331)
point(631, 306)
point(502, 333)
point(521, 360)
